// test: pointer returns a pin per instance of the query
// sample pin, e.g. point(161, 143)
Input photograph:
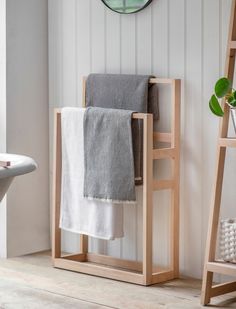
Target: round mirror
point(126, 6)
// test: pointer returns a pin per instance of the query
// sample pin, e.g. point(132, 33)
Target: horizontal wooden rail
point(223, 288)
point(162, 184)
point(232, 44)
point(162, 137)
point(164, 153)
point(222, 268)
point(227, 142)
point(99, 270)
point(154, 80)
point(81, 257)
point(114, 262)
point(161, 80)
point(134, 116)
point(162, 276)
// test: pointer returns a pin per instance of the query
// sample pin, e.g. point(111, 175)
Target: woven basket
point(228, 240)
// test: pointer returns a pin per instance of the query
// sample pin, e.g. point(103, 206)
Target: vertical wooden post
point(147, 197)
point(206, 286)
point(84, 238)
point(56, 200)
point(83, 244)
point(175, 166)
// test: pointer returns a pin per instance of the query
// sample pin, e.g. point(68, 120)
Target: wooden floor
point(31, 282)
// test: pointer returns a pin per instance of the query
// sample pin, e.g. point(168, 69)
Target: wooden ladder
point(212, 265)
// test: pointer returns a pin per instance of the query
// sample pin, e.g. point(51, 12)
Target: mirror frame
point(145, 5)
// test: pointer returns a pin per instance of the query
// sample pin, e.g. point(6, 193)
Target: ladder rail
point(207, 285)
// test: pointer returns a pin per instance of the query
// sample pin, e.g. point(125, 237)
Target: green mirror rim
point(145, 5)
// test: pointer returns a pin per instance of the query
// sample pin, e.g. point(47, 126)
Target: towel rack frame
point(137, 272)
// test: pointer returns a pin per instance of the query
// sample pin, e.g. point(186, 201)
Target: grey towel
point(108, 155)
point(130, 92)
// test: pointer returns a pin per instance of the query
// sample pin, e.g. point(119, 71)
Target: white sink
point(19, 165)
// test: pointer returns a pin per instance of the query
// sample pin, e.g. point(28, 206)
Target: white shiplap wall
point(27, 218)
point(171, 38)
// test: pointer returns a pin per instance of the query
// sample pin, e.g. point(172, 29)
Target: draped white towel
point(80, 215)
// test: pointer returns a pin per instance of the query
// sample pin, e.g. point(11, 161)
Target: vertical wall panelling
point(176, 67)
point(128, 66)
point(98, 37)
point(27, 124)
point(160, 67)
point(68, 24)
point(192, 138)
point(3, 118)
point(212, 66)
point(53, 71)
point(143, 66)
point(69, 50)
point(113, 65)
point(2, 75)
point(160, 38)
point(98, 65)
point(128, 44)
point(113, 42)
point(83, 44)
point(176, 38)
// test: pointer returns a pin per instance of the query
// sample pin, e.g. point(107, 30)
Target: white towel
point(79, 215)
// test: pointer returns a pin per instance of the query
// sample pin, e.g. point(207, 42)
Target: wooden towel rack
point(143, 273)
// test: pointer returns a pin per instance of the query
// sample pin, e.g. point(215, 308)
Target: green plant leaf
point(233, 103)
point(230, 99)
point(222, 87)
point(215, 106)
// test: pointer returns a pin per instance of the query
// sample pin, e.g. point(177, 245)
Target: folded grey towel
point(130, 92)
point(108, 155)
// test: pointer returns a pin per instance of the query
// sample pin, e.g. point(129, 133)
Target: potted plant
point(223, 89)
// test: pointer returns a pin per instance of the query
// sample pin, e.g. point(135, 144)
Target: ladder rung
point(163, 153)
point(162, 184)
point(227, 142)
point(232, 44)
point(222, 268)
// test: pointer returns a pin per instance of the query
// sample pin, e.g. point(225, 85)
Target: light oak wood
point(210, 265)
point(115, 262)
point(76, 257)
point(223, 288)
point(161, 81)
point(105, 266)
point(164, 153)
point(147, 198)
point(56, 199)
point(162, 276)
point(155, 80)
point(84, 240)
point(233, 44)
point(175, 166)
point(162, 137)
point(99, 270)
point(227, 142)
point(222, 268)
point(163, 184)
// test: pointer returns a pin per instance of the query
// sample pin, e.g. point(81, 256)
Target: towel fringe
point(106, 200)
